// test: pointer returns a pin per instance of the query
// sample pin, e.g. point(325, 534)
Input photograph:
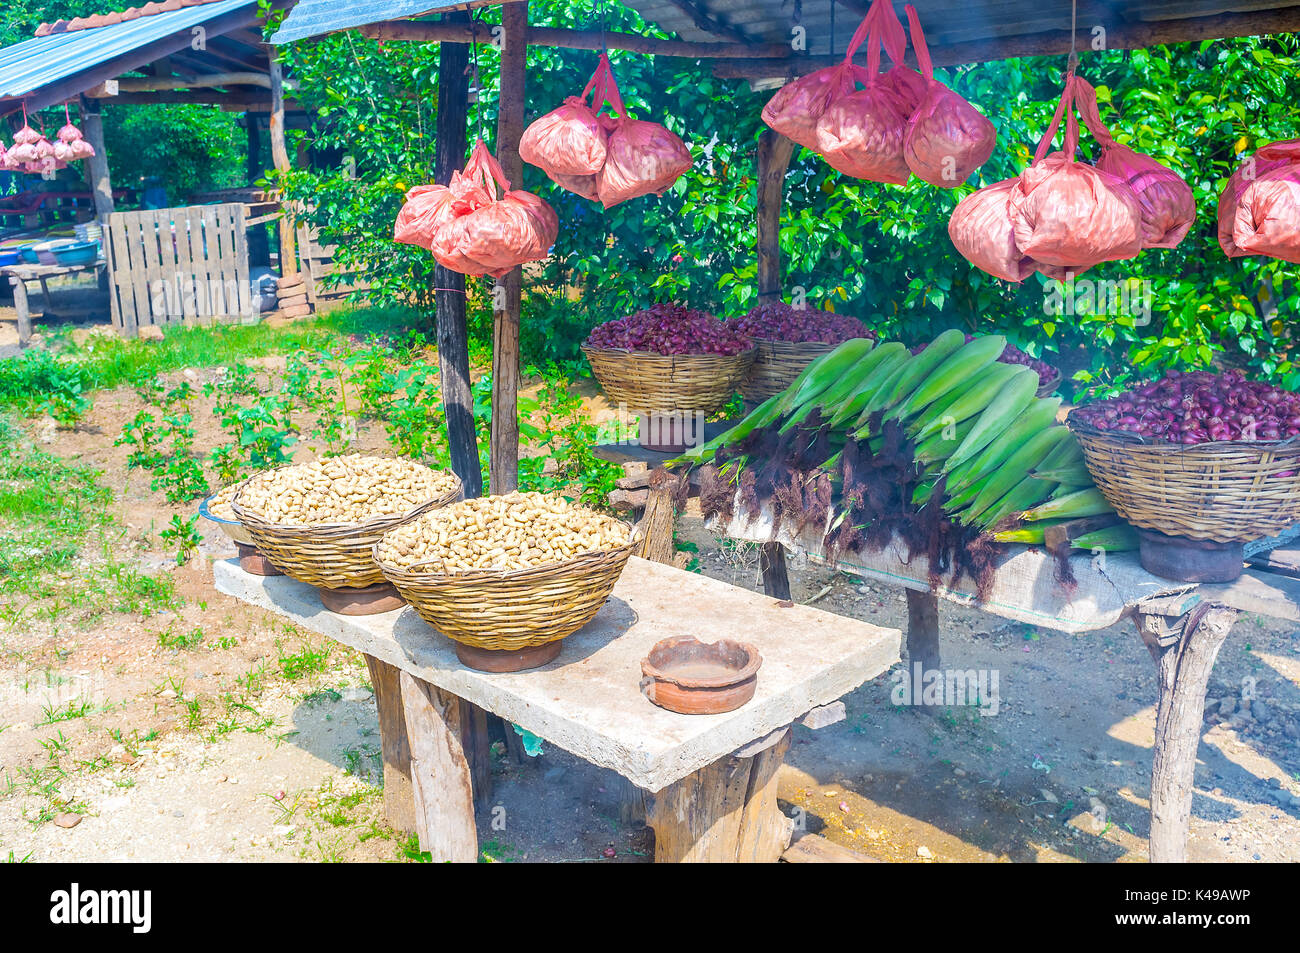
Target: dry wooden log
point(636, 476)
point(814, 849)
point(622, 501)
point(297, 311)
point(399, 795)
point(292, 301)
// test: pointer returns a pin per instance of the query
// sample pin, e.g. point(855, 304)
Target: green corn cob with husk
point(1014, 397)
point(1016, 469)
point(826, 371)
point(1037, 416)
point(1074, 505)
point(962, 402)
point(1024, 494)
point(937, 446)
point(959, 367)
point(888, 356)
point(922, 365)
point(1112, 539)
point(1072, 476)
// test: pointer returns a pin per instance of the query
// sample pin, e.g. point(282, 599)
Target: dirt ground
point(215, 731)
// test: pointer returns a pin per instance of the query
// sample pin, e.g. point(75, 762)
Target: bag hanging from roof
point(640, 157)
point(982, 230)
point(862, 130)
point(1168, 206)
point(947, 138)
point(571, 140)
point(492, 237)
point(430, 207)
point(1069, 213)
point(1259, 208)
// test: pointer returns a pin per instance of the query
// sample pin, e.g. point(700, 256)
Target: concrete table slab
point(588, 700)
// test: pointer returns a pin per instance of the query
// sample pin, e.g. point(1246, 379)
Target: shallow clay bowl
point(692, 677)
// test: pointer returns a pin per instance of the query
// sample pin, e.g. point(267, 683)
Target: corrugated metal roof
point(772, 21)
point(314, 17)
point(26, 67)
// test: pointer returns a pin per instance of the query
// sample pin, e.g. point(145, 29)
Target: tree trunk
point(280, 159)
point(774, 153)
point(92, 125)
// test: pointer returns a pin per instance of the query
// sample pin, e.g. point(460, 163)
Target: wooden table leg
point(923, 629)
point(771, 562)
point(399, 793)
point(726, 812)
point(1184, 647)
point(399, 796)
point(23, 308)
point(440, 774)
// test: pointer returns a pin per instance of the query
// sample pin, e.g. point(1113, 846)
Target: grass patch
point(102, 361)
point(55, 515)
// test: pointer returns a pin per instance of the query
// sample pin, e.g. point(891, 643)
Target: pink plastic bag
point(947, 138)
point(982, 230)
point(570, 140)
point(1268, 217)
point(1069, 213)
point(861, 132)
point(1275, 156)
point(1168, 207)
point(492, 237)
point(799, 104)
point(643, 157)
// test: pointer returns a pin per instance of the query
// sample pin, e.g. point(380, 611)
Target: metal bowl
point(232, 528)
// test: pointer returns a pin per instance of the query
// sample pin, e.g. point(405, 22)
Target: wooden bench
point(19, 275)
point(1182, 625)
point(710, 781)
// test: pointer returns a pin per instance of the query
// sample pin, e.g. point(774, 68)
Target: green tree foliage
point(879, 252)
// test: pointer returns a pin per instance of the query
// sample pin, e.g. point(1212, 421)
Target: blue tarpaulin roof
point(314, 17)
point(45, 60)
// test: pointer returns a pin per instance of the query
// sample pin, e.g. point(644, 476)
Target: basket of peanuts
point(507, 577)
point(319, 521)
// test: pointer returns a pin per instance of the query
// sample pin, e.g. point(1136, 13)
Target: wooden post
point(449, 296)
point(440, 773)
point(259, 252)
point(280, 159)
point(774, 154)
point(92, 126)
point(726, 812)
point(23, 307)
point(1184, 649)
point(771, 564)
point(507, 296)
point(922, 630)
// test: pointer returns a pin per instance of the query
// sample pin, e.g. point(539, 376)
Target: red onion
point(783, 322)
point(1192, 407)
point(669, 329)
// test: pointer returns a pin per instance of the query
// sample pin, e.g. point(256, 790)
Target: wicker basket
point(330, 555)
point(509, 611)
point(1226, 491)
point(1048, 387)
point(668, 383)
point(777, 364)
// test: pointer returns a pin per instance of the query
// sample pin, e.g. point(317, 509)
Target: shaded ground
point(202, 729)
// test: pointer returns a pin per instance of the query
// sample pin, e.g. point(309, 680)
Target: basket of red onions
point(1199, 456)
point(786, 340)
point(668, 360)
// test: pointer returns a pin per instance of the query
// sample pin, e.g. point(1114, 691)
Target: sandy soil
point(258, 741)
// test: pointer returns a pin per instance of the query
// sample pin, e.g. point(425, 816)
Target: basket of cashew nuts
point(319, 521)
point(507, 573)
